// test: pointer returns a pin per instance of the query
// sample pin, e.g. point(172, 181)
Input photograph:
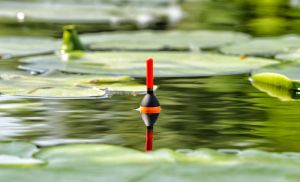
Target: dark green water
point(214, 112)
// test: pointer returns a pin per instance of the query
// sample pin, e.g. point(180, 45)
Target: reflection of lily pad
point(167, 64)
point(173, 40)
point(65, 86)
point(23, 46)
point(92, 162)
point(263, 46)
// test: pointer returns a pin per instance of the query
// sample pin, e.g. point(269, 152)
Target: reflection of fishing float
point(149, 107)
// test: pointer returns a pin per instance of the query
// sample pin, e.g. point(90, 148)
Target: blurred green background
point(256, 17)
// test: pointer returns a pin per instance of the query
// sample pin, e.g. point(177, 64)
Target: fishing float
point(149, 107)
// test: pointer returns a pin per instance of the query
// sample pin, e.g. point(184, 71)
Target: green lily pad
point(7, 160)
point(86, 12)
point(18, 154)
point(93, 162)
point(170, 40)
point(292, 55)
point(288, 69)
point(10, 66)
point(167, 64)
point(24, 46)
point(66, 86)
point(263, 46)
point(20, 149)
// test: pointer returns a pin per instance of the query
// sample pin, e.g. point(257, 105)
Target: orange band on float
point(149, 110)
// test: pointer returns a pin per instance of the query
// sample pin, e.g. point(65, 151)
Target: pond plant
point(71, 42)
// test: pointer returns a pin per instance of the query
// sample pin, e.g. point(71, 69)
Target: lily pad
point(93, 162)
point(292, 55)
point(86, 12)
point(18, 154)
point(170, 40)
point(24, 46)
point(20, 149)
point(288, 69)
point(167, 64)
point(10, 66)
point(263, 46)
point(66, 86)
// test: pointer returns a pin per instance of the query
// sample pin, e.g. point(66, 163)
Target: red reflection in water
point(149, 140)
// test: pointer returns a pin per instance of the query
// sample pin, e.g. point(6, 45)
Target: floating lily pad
point(167, 64)
point(87, 12)
point(114, 2)
point(24, 46)
point(20, 149)
point(93, 162)
point(18, 154)
point(289, 70)
point(7, 160)
point(10, 66)
point(71, 86)
point(292, 55)
point(263, 46)
point(170, 40)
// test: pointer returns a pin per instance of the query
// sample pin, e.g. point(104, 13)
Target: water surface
point(215, 112)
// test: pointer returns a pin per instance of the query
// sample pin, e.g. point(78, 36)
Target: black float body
point(150, 100)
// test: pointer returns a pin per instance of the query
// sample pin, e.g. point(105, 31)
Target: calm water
point(215, 112)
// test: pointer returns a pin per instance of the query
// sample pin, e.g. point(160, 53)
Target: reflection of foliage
point(207, 113)
point(281, 93)
point(258, 17)
point(210, 15)
point(280, 129)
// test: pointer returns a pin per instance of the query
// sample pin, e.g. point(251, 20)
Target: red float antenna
point(149, 74)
